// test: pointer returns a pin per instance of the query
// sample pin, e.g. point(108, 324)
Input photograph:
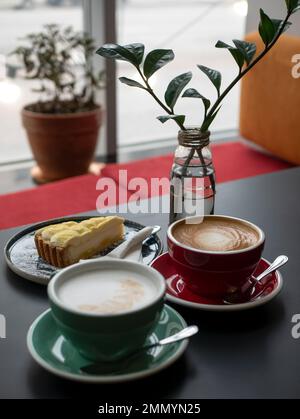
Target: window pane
point(191, 28)
point(17, 19)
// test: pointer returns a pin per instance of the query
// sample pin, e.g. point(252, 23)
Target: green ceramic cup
point(106, 337)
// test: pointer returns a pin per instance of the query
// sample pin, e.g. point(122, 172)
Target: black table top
point(247, 354)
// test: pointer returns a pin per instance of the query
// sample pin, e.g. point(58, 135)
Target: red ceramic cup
point(214, 273)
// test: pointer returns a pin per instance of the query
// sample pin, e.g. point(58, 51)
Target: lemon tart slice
point(66, 243)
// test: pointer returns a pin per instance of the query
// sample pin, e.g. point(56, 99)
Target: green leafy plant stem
point(149, 89)
point(201, 158)
point(187, 162)
point(211, 176)
point(247, 69)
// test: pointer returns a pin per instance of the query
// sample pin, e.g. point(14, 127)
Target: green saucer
point(51, 351)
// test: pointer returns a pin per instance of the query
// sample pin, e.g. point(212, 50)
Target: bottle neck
point(193, 138)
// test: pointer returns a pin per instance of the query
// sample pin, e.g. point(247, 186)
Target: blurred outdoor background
point(190, 27)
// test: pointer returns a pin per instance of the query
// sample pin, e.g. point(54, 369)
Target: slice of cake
point(66, 243)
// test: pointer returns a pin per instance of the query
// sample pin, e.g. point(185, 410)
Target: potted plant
point(63, 125)
point(193, 160)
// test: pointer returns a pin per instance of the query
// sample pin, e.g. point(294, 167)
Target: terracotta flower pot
point(63, 145)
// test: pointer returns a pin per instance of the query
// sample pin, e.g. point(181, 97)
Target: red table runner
point(232, 161)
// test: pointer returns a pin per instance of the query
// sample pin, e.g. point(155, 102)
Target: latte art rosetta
point(216, 234)
point(128, 293)
point(107, 291)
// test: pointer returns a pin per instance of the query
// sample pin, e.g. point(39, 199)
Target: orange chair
point(270, 100)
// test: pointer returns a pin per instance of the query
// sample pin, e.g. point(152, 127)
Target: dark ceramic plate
point(22, 257)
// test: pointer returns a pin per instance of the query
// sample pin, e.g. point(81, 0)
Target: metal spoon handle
point(279, 261)
point(104, 368)
point(183, 334)
point(123, 248)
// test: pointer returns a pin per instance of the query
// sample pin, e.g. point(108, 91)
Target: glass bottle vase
point(192, 178)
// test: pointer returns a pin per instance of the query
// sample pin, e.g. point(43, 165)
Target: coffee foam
point(216, 234)
point(107, 292)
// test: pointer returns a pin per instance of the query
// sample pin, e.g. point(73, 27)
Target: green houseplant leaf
point(297, 7)
point(267, 29)
point(178, 118)
point(137, 50)
point(278, 25)
point(292, 5)
point(235, 52)
point(117, 52)
point(213, 75)
point(175, 87)
point(193, 93)
point(247, 49)
point(157, 59)
point(132, 83)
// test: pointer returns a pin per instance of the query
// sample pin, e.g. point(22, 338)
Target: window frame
point(99, 21)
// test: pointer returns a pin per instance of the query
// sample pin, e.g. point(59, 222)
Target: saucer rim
point(104, 379)
point(224, 307)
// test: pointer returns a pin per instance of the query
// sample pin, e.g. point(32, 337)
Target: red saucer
point(178, 293)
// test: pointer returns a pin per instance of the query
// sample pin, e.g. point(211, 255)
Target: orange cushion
point(270, 100)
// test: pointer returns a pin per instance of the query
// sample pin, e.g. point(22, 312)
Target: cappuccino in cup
point(106, 307)
point(107, 292)
point(216, 234)
point(216, 254)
